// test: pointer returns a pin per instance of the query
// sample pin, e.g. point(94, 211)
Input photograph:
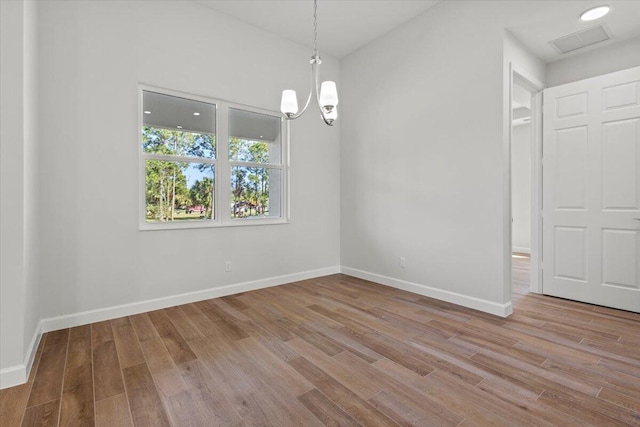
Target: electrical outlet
point(227, 266)
point(403, 262)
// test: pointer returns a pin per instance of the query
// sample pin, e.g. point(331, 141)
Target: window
point(207, 163)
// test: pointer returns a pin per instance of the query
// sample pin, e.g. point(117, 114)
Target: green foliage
point(249, 185)
point(178, 143)
point(167, 193)
point(166, 182)
point(166, 189)
point(201, 194)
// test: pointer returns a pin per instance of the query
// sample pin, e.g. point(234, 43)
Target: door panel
point(591, 190)
point(621, 188)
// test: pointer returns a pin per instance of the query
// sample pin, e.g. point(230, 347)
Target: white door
point(591, 191)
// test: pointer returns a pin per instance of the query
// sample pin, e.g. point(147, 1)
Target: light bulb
point(289, 104)
point(328, 95)
point(331, 116)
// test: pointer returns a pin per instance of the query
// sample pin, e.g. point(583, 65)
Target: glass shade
point(332, 115)
point(289, 104)
point(328, 94)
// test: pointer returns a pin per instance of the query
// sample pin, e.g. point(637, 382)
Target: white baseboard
point(18, 374)
point(521, 250)
point(92, 316)
point(502, 310)
point(13, 375)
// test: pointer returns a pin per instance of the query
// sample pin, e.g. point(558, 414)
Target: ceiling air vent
point(581, 39)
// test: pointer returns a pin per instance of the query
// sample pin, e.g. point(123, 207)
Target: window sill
point(210, 224)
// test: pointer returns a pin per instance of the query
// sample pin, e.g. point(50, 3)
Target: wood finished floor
point(339, 351)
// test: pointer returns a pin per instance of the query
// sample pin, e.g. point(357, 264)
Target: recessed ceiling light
point(147, 112)
point(179, 127)
point(594, 13)
point(196, 114)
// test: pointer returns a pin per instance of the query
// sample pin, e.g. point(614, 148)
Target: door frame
point(535, 87)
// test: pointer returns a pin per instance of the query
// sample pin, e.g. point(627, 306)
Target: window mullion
point(223, 184)
point(256, 165)
point(184, 159)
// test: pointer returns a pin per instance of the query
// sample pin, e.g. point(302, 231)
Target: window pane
point(178, 126)
point(253, 137)
point(255, 192)
point(179, 191)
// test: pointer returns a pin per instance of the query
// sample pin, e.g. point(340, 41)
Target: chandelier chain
point(315, 27)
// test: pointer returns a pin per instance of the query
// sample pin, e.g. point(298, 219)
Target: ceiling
point(540, 22)
point(343, 25)
point(346, 25)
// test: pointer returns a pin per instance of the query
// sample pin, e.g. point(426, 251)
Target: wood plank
point(13, 401)
point(77, 406)
point(106, 370)
point(79, 352)
point(47, 385)
point(183, 324)
point(113, 411)
point(403, 395)
point(143, 327)
point(620, 399)
point(325, 410)
point(44, 415)
point(127, 345)
point(589, 409)
point(173, 341)
point(144, 401)
point(183, 410)
point(101, 331)
point(229, 377)
point(205, 392)
point(56, 338)
point(222, 319)
point(343, 374)
point(342, 396)
point(162, 368)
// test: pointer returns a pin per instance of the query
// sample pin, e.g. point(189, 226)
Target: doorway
point(525, 146)
point(521, 141)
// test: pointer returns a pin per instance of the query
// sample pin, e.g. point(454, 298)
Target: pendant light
point(326, 94)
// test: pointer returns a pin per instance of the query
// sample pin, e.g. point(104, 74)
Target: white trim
point(521, 250)
point(535, 277)
point(536, 87)
point(502, 310)
point(221, 216)
point(18, 374)
point(12, 376)
point(101, 314)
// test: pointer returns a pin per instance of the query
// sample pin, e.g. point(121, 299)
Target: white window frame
point(222, 178)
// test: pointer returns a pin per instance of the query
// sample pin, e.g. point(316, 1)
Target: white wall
point(424, 162)
point(92, 57)
point(521, 188)
point(421, 154)
point(18, 188)
point(31, 178)
point(614, 57)
point(11, 185)
point(522, 59)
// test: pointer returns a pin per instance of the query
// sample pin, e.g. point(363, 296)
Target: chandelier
point(326, 95)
